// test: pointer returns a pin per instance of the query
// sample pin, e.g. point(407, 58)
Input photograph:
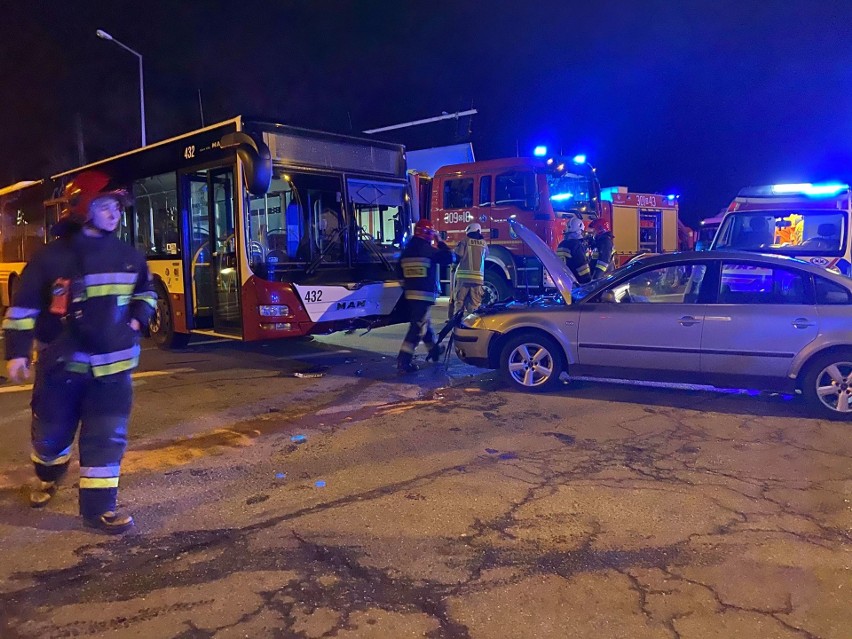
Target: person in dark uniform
point(419, 262)
point(572, 250)
point(83, 299)
point(603, 244)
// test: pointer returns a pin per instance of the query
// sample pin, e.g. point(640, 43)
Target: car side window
point(759, 284)
point(828, 292)
point(673, 284)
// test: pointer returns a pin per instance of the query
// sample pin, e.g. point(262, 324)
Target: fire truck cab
point(539, 193)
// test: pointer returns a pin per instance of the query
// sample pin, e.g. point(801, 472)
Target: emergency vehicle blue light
point(806, 188)
point(559, 197)
point(671, 197)
point(580, 159)
point(540, 151)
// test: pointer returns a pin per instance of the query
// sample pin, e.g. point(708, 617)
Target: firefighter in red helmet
point(602, 242)
point(419, 263)
point(83, 300)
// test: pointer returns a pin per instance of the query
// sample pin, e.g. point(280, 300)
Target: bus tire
point(161, 329)
point(496, 287)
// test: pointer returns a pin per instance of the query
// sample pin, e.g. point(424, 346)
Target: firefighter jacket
point(471, 253)
point(602, 252)
point(76, 297)
point(573, 252)
point(419, 264)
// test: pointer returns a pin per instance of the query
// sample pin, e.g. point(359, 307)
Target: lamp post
point(105, 36)
point(595, 185)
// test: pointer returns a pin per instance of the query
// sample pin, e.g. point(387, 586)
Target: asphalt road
point(435, 505)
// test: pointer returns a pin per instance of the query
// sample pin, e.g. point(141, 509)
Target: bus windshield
point(788, 232)
point(568, 192)
point(304, 224)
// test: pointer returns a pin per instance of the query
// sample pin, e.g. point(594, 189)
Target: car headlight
point(472, 321)
point(273, 310)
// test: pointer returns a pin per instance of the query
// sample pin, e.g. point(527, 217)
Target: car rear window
point(828, 292)
point(759, 284)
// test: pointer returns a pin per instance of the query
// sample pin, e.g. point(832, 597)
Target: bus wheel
point(496, 288)
point(162, 325)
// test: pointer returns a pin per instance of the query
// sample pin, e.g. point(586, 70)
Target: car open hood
point(559, 272)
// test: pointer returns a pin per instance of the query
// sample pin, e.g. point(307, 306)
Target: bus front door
point(213, 249)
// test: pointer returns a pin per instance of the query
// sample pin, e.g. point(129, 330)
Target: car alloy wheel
point(834, 386)
point(826, 384)
point(532, 361)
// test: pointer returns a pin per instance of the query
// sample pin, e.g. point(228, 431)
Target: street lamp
point(580, 159)
point(105, 36)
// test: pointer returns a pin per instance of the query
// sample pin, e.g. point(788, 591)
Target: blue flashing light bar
point(540, 151)
point(827, 189)
point(579, 159)
point(561, 197)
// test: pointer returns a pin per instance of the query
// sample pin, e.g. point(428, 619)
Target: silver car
point(726, 319)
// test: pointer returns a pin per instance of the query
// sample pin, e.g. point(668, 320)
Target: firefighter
point(83, 298)
point(470, 272)
point(572, 249)
point(419, 262)
point(602, 246)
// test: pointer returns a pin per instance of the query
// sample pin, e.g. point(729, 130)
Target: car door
point(762, 316)
point(646, 326)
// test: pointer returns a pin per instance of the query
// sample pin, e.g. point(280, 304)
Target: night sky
point(695, 97)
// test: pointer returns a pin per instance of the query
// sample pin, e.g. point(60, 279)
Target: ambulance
point(807, 221)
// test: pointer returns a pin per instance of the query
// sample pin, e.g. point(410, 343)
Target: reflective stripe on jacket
point(471, 253)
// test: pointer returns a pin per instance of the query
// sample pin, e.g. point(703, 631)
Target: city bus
point(253, 230)
point(807, 221)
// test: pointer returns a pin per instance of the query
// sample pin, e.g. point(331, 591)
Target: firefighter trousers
point(468, 297)
point(419, 328)
point(63, 401)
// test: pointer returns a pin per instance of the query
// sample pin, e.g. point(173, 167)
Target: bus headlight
point(273, 310)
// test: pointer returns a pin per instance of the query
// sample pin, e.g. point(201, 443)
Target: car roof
point(747, 256)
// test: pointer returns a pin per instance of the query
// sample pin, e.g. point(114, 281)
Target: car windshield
point(787, 232)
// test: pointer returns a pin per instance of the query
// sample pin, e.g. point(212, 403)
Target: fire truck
point(541, 194)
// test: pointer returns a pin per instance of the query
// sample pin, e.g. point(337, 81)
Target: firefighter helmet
point(424, 229)
point(599, 226)
point(78, 195)
point(473, 227)
point(574, 226)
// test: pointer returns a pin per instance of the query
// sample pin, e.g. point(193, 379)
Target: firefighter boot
point(110, 523)
point(405, 365)
point(435, 352)
point(42, 493)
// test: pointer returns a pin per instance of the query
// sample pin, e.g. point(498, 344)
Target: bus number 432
point(313, 296)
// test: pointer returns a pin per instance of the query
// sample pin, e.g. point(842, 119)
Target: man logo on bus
point(343, 306)
point(819, 261)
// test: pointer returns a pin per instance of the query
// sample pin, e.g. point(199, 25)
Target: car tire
point(826, 383)
point(532, 361)
point(161, 328)
point(496, 288)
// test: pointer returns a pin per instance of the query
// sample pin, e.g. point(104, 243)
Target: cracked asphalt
point(440, 506)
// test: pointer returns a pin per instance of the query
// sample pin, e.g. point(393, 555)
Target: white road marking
point(18, 388)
